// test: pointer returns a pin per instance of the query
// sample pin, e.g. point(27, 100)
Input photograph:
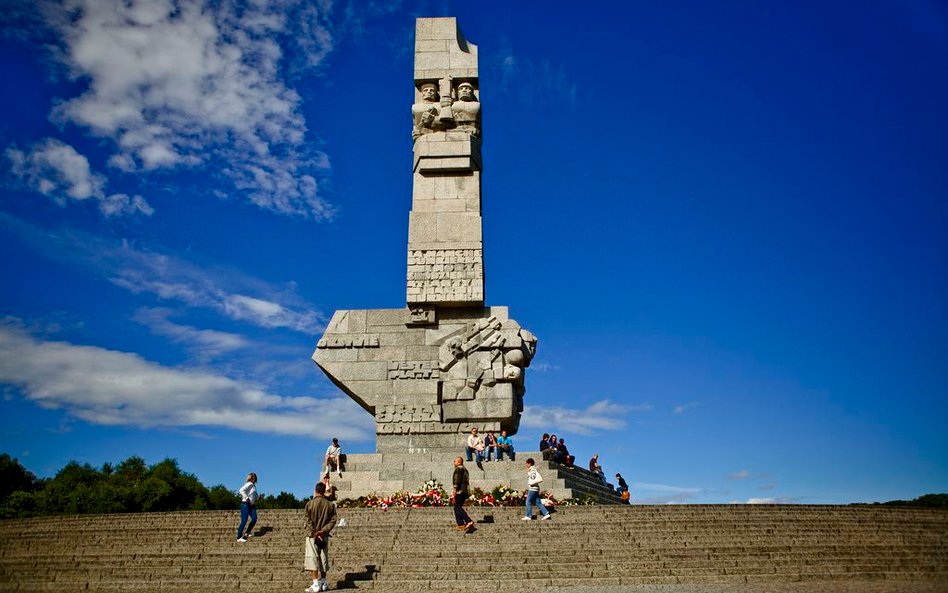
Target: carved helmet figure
point(466, 92)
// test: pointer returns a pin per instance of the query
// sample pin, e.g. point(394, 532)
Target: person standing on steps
point(320, 518)
point(248, 507)
point(533, 492)
point(330, 489)
point(460, 485)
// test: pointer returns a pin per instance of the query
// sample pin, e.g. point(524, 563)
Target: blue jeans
point(479, 454)
point(533, 498)
point(247, 510)
point(510, 453)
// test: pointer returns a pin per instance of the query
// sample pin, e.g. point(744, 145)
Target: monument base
point(390, 472)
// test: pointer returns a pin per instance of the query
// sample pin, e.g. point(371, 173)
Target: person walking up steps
point(533, 492)
point(248, 507)
point(460, 482)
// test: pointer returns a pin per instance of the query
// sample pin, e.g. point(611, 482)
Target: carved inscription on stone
point(432, 427)
point(413, 370)
point(349, 341)
point(387, 414)
point(445, 275)
point(422, 315)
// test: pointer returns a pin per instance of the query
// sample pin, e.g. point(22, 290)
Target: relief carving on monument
point(436, 111)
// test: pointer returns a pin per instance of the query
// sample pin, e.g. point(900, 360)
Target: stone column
point(445, 241)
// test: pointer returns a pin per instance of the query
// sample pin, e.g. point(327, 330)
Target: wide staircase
point(375, 473)
point(816, 548)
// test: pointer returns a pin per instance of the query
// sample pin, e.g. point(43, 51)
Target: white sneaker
point(242, 540)
point(526, 518)
point(314, 588)
point(324, 585)
point(545, 517)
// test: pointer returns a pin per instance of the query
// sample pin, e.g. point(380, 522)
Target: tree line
point(130, 486)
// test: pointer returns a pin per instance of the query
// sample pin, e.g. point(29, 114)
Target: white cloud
point(205, 341)
point(170, 278)
point(770, 500)
point(59, 172)
point(602, 415)
point(682, 408)
point(199, 82)
point(746, 475)
point(268, 314)
point(543, 367)
point(119, 388)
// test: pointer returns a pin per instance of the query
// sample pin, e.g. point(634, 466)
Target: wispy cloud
point(602, 415)
point(169, 278)
point(770, 500)
point(682, 408)
point(109, 387)
point(217, 92)
point(531, 81)
point(747, 475)
point(205, 341)
point(543, 367)
point(59, 172)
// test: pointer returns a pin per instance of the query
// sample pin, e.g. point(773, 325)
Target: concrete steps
point(417, 550)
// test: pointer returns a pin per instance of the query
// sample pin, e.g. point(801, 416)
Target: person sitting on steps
point(475, 447)
point(505, 445)
point(490, 446)
point(564, 457)
point(334, 458)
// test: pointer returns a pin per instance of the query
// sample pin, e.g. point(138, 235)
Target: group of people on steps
point(320, 510)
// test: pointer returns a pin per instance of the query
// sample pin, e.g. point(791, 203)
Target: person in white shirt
point(475, 446)
point(333, 456)
point(248, 507)
point(533, 492)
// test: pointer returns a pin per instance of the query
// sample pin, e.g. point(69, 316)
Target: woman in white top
point(248, 507)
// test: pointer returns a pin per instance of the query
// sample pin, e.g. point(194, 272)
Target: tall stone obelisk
point(445, 363)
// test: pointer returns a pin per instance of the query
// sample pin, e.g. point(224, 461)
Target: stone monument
point(445, 363)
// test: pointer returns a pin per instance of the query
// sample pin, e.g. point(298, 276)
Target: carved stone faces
point(425, 112)
point(436, 112)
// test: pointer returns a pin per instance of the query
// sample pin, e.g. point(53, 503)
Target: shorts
point(316, 558)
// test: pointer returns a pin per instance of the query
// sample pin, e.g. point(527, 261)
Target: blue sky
point(724, 221)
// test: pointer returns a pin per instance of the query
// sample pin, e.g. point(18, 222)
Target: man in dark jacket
point(622, 487)
point(460, 482)
point(320, 519)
